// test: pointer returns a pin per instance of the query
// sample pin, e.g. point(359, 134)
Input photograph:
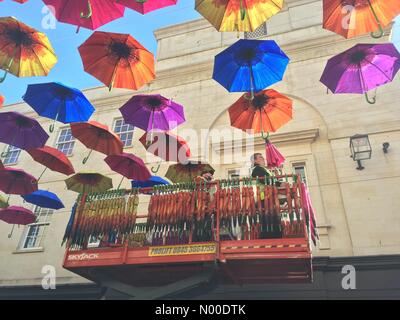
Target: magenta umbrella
point(16, 181)
point(17, 215)
point(129, 166)
point(145, 6)
point(149, 112)
point(21, 131)
point(273, 157)
point(361, 69)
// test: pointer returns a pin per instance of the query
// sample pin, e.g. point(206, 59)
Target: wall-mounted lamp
point(385, 147)
point(360, 148)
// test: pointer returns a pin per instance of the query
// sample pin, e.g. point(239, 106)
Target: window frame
point(124, 132)
point(302, 164)
point(16, 149)
point(57, 143)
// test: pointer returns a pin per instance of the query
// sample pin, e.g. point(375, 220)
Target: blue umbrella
point(44, 199)
point(153, 181)
point(56, 101)
point(250, 65)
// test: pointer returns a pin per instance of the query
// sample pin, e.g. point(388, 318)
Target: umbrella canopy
point(16, 181)
point(44, 199)
point(362, 68)
point(145, 6)
point(117, 60)
point(250, 65)
point(17, 215)
point(1, 100)
point(3, 202)
point(24, 52)
point(180, 173)
point(150, 112)
point(274, 158)
point(53, 159)
point(88, 182)
point(167, 146)
point(129, 166)
point(354, 18)
point(90, 14)
point(56, 101)
point(267, 112)
point(97, 136)
point(153, 181)
point(21, 131)
point(238, 15)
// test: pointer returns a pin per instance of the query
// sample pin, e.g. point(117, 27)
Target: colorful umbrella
point(150, 112)
point(24, 52)
point(180, 173)
point(16, 181)
point(90, 14)
point(129, 166)
point(267, 112)
point(357, 17)
point(250, 65)
point(3, 202)
point(21, 131)
point(238, 15)
point(88, 182)
point(17, 215)
point(1, 100)
point(117, 60)
point(44, 199)
point(273, 157)
point(145, 6)
point(167, 146)
point(361, 69)
point(97, 136)
point(57, 101)
point(153, 181)
point(52, 159)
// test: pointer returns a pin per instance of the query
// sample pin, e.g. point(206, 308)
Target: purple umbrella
point(150, 112)
point(362, 68)
point(21, 131)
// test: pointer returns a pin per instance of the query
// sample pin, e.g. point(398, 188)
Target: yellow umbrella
point(3, 202)
point(238, 15)
point(88, 182)
point(24, 51)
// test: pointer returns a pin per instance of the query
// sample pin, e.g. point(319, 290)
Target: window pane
point(125, 132)
point(12, 156)
point(65, 142)
point(32, 237)
point(301, 170)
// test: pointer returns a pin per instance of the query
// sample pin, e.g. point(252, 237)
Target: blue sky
point(65, 41)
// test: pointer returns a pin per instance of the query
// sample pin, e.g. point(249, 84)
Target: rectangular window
point(12, 155)
point(300, 169)
point(124, 131)
point(66, 141)
point(34, 234)
point(233, 173)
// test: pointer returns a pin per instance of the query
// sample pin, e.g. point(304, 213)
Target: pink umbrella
point(145, 6)
point(129, 166)
point(273, 156)
point(16, 181)
point(17, 215)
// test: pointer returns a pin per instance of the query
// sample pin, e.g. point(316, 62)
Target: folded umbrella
point(21, 131)
point(250, 65)
point(44, 199)
point(97, 136)
point(88, 182)
point(52, 159)
point(56, 101)
point(16, 181)
point(17, 215)
point(274, 158)
point(129, 166)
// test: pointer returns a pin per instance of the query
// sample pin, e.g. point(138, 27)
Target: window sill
point(33, 250)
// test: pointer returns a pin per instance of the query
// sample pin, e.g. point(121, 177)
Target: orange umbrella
point(97, 136)
point(1, 100)
point(267, 112)
point(117, 60)
point(357, 17)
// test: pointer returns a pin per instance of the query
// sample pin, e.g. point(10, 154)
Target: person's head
point(208, 174)
point(257, 159)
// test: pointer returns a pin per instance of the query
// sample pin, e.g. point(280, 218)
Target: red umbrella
point(97, 136)
point(167, 146)
point(17, 215)
point(16, 181)
point(273, 157)
point(52, 159)
point(129, 166)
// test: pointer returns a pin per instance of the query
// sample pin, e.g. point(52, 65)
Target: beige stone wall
point(356, 210)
